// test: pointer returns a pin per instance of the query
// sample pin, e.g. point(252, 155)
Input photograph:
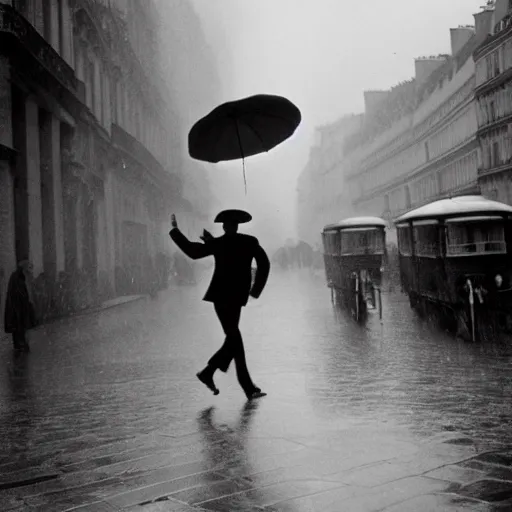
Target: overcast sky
point(321, 54)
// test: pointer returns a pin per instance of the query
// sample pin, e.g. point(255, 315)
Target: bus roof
point(357, 222)
point(456, 206)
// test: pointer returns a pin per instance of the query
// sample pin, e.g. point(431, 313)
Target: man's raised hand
point(174, 223)
point(207, 236)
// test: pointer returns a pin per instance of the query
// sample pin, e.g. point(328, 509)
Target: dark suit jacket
point(231, 281)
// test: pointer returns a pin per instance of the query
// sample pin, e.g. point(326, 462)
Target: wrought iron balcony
point(14, 25)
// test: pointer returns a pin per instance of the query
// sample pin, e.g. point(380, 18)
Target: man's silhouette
point(19, 314)
point(229, 289)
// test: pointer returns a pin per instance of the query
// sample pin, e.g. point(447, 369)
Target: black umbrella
point(243, 128)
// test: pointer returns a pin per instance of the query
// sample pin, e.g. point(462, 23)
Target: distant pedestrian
point(19, 314)
point(281, 258)
point(229, 290)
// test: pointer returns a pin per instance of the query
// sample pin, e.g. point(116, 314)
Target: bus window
point(475, 239)
point(426, 239)
point(362, 242)
point(404, 241)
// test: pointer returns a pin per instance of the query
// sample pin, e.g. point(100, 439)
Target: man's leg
point(222, 358)
point(229, 315)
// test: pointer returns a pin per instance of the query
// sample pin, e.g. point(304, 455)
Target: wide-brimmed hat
point(235, 216)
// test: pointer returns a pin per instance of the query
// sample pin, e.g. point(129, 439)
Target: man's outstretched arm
point(262, 271)
point(194, 250)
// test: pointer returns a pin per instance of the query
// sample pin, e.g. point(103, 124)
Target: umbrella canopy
point(243, 128)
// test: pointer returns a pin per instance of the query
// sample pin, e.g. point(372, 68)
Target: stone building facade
point(420, 142)
point(493, 60)
point(90, 150)
point(416, 143)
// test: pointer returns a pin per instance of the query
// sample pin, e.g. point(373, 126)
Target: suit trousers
point(233, 347)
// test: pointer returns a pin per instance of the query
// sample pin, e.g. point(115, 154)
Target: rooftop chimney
point(459, 37)
point(501, 9)
point(425, 66)
point(372, 99)
point(484, 22)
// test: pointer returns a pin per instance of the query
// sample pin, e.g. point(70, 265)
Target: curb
point(104, 307)
point(90, 311)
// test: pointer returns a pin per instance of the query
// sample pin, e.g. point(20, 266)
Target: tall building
point(416, 143)
point(90, 149)
point(493, 60)
point(419, 140)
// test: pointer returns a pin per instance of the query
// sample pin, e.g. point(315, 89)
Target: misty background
point(319, 54)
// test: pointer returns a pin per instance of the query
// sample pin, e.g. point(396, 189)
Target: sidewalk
point(118, 301)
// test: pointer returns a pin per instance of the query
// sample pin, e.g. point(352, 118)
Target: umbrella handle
point(241, 153)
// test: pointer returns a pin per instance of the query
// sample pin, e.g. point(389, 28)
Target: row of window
point(52, 19)
point(460, 130)
point(117, 101)
point(405, 162)
point(494, 63)
point(461, 239)
point(367, 157)
point(497, 147)
point(495, 105)
point(454, 176)
point(424, 188)
point(460, 173)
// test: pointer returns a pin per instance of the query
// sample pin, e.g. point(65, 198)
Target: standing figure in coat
point(229, 290)
point(19, 314)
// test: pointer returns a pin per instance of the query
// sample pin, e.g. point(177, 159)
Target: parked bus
point(455, 264)
point(354, 254)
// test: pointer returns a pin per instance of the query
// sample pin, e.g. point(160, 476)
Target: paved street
point(106, 414)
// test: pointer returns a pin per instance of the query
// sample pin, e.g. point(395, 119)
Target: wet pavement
point(106, 414)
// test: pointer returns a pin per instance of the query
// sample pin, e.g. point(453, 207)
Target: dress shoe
point(256, 394)
point(207, 380)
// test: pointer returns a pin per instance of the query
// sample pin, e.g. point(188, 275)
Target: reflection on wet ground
point(105, 413)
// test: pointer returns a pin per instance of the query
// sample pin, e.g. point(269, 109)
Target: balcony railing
point(13, 23)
